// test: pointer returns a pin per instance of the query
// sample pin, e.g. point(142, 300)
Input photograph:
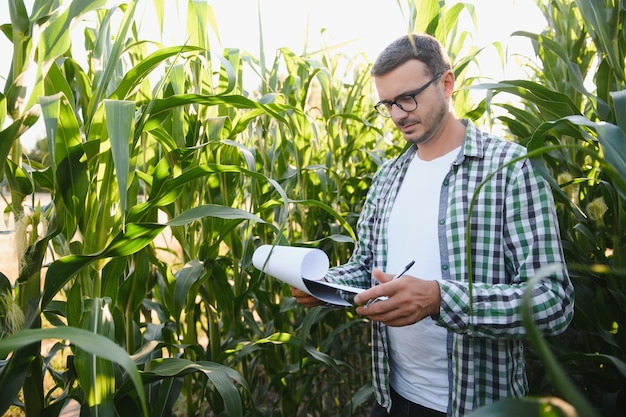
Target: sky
point(365, 26)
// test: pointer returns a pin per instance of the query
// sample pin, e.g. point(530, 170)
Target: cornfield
point(165, 173)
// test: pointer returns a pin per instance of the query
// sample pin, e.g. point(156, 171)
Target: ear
point(448, 84)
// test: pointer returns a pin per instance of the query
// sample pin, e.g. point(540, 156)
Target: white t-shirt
point(418, 356)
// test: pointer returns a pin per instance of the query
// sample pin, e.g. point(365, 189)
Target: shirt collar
point(474, 143)
point(473, 146)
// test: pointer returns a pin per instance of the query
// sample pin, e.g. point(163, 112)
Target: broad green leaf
point(213, 210)
point(88, 341)
point(185, 279)
point(18, 179)
point(12, 375)
point(50, 112)
point(66, 147)
point(361, 396)
point(8, 137)
point(105, 81)
point(328, 209)
point(558, 378)
point(324, 358)
point(198, 14)
point(55, 40)
point(236, 101)
point(167, 396)
point(426, 12)
point(552, 104)
point(596, 16)
point(612, 140)
point(220, 376)
point(19, 16)
point(96, 375)
point(120, 117)
point(171, 188)
point(140, 71)
point(3, 109)
point(576, 78)
point(56, 83)
point(527, 407)
point(251, 347)
point(135, 238)
point(619, 106)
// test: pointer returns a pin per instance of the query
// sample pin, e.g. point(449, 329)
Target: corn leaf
point(88, 341)
point(119, 120)
point(95, 374)
point(526, 407)
point(220, 376)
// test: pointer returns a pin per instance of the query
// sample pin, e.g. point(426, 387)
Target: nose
point(397, 113)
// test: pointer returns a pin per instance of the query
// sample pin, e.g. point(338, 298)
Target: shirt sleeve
point(531, 241)
point(357, 271)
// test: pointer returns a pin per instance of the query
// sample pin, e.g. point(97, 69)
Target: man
point(447, 336)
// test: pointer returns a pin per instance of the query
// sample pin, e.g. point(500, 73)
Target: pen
point(406, 268)
point(404, 271)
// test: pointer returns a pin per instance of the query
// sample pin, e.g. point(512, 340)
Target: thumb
point(381, 276)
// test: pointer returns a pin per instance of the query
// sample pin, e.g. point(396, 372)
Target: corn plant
point(221, 171)
point(149, 140)
point(574, 104)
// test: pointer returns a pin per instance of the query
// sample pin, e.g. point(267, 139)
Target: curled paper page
point(303, 268)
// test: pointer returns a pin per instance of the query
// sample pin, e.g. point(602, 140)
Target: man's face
point(420, 125)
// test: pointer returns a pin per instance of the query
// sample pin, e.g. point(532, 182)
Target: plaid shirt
point(514, 233)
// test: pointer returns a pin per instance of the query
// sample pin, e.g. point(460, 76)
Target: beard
point(430, 124)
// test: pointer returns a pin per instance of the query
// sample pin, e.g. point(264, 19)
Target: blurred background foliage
point(164, 172)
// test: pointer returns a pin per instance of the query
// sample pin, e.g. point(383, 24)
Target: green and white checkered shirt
point(514, 234)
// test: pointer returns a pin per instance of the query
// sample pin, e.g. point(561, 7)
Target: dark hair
point(422, 47)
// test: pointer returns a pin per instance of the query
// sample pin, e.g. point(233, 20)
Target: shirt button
point(444, 267)
point(442, 221)
point(446, 183)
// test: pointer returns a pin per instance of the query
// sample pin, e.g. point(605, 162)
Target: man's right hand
point(305, 299)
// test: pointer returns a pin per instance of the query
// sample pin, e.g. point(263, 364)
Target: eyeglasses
point(405, 102)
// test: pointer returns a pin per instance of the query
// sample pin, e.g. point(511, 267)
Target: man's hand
point(410, 300)
point(305, 299)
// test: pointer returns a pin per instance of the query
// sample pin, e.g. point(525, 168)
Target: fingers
point(409, 301)
point(385, 311)
point(376, 291)
point(304, 298)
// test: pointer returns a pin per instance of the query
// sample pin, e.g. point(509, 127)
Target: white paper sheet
point(303, 268)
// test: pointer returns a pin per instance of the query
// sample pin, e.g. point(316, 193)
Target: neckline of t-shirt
point(443, 158)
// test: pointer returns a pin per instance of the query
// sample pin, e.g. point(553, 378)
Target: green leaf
point(526, 407)
point(613, 141)
point(120, 116)
point(112, 60)
point(220, 376)
point(55, 40)
point(8, 137)
point(135, 238)
point(552, 104)
point(213, 210)
point(576, 78)
point(597, 22)
point(559, 379)
point(185, 279)
point(619, 106)
point(93, 343)
point(236, 101)
point(140, 71)
point(340, 219)
point(96, 375)
point(12, 375)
